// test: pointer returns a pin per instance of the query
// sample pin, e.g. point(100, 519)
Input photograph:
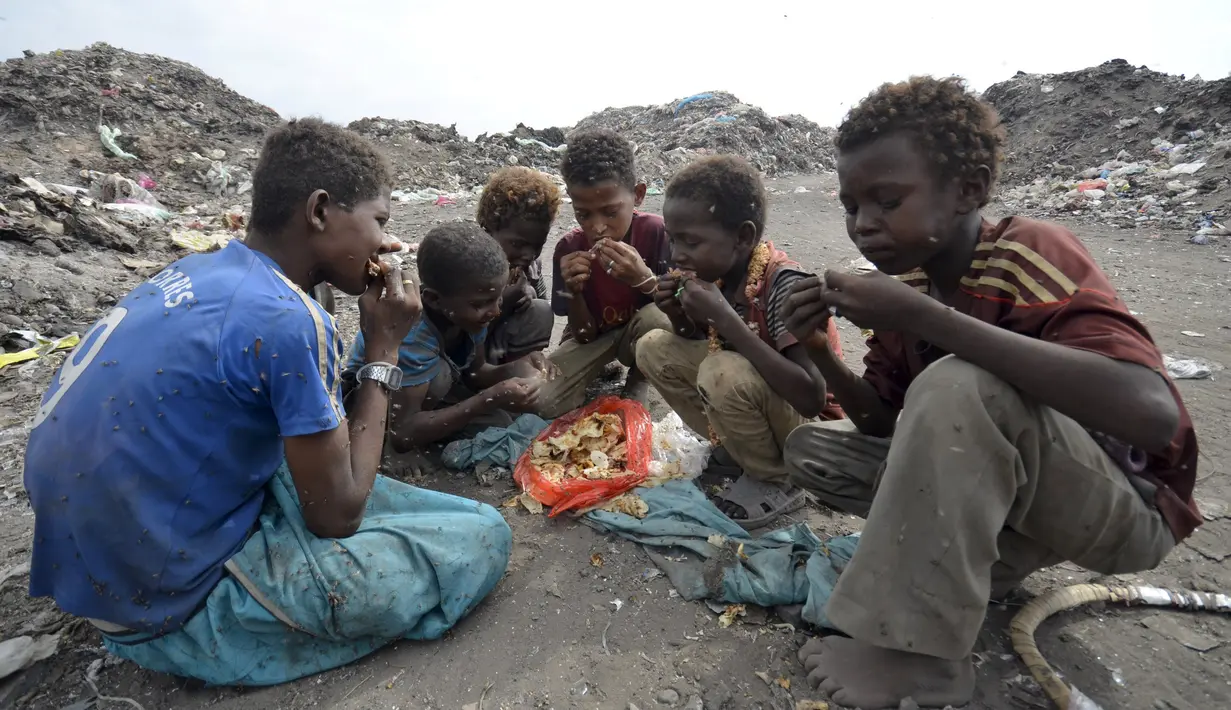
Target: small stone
point(26, 292)
point(908, 704)
point(70, 266)
point(694, 703)
point(10, 319)
point(217, 154)
point(667, 696)
point(106, 300)
point(47, 247)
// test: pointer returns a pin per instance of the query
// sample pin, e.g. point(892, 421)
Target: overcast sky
point(488, 65)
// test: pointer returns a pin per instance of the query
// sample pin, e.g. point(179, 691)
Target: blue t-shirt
point(148, 458)
point(421, 355)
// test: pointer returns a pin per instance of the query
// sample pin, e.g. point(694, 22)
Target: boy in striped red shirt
point(1012, 413)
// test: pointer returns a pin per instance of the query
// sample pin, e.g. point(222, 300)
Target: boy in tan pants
point(728, 366)
point(605, 270)
point(1012, 414)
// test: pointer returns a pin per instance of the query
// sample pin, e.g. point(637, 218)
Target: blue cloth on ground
point(787, 566)
point(420, 562)
point(498, 446)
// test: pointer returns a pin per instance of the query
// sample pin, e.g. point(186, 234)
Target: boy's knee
point(803, 447)
point(725, 377)
point(653, 352)
point(956, 381)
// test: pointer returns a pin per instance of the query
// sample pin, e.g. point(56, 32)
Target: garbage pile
point(431, 161)
point(1122, 144)
point(670, 135)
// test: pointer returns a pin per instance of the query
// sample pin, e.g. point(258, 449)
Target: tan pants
point(725, 391)
point(979, 488)
point(580, 364)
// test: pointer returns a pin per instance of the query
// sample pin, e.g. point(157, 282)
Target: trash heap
point(670, 135)
point(1120, 144)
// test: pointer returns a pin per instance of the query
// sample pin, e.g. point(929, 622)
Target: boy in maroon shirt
point(1012, 414)
point(605, 271)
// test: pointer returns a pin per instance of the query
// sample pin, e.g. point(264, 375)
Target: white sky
point(487, 65)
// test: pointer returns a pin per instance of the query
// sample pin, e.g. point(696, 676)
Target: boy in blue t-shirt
point(443, 359)
point(155, 464)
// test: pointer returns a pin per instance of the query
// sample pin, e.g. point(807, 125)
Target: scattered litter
point(1189, 368)
point(1192, 333)
point(108, 137)
point(676, 451)
point(731, 613)
point(24, 651)
point(783, 682)
point(43, 346)
point(13, 571)
point(811, 705)
point(617, 603)
point(764, 676)
point(196, 240)
point(596, 560)
point(140, 264)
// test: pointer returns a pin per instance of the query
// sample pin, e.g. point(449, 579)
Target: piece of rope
point(1023, 626)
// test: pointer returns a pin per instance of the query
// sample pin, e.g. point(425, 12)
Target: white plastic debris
point(1189, 368)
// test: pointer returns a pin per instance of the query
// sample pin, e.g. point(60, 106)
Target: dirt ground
point(551, 637)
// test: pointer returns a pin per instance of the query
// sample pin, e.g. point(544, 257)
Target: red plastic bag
point(581, 493)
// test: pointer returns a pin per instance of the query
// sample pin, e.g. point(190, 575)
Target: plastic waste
point(544, 146)
point(676, 451)
point(196, 240)
point(1189, 368)
point(146, 182)
point(138, 212)
point(108, 136)
point(583, 493)
point(691, 99)
point(41, 346)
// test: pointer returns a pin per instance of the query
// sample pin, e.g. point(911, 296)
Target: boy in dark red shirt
point(729, 366)
point(605, 271)
point(1012, 415)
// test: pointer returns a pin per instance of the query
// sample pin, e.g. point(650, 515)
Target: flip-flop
point(762, 502)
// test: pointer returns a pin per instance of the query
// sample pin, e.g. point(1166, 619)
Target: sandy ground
point(550, 636)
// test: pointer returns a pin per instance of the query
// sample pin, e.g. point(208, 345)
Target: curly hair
point(458, 254)
point(594, 156)
point(729, 184)
point(957, 131)
point(514, 192)
point(308, 154)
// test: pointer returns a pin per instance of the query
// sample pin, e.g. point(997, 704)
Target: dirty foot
point(856, 674)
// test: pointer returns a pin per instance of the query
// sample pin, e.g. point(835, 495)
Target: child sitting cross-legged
point(729, 366)
point(447, 384)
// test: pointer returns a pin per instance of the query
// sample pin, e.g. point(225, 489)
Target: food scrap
point(593, 448)
point(596, 560)
point(374, 269)
point(628, 504)
point(729, 616)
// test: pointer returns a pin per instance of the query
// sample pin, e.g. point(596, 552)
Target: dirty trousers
point(520, 333)
point(978, 488)
point(725, 391)
point(581, 363)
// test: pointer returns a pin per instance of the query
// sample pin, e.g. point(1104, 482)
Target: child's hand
point(387, 311)
point(515, 297)
point(520, 394)
point(705, 304)
point(575, 270)
point(806, 314)
point(875, 300)
point(536, 364)
point(664, 294)
point(623, 262)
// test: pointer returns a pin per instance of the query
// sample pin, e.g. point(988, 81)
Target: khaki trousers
point(978, 488)
point(725, 391)
point(580, 364)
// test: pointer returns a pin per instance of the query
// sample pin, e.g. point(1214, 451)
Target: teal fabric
point(419, 563)
point(496, 446)
point(787, 566)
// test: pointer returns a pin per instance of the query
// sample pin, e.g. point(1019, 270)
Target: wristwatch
point(386, 375)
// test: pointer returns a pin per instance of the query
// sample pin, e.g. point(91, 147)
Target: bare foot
point(856, 674)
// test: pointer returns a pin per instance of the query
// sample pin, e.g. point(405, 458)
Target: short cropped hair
point(729, 184)
point(594, 156)
point(517, 191)
point(457, 254)
point(308, 154)
point(957, 131)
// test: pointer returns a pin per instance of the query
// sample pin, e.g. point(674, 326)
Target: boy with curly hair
point(208, 440)
point(1012, 415)
point(729, 366)
point(604, 271)
point(517, 209)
